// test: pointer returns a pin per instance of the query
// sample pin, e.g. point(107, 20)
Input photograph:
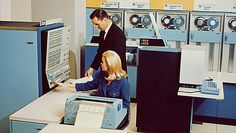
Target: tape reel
point(172, 23)
point(134, 19)
point(115, 18)
point(178, 21)
point(200, 22)
point(232, 24)
point(140, 22)
point(166, 21)
point(206, 24)
point(146, 20)
point(212, 23)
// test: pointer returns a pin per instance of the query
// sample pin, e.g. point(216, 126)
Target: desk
point(60, 128)
point(47, 109)
point(190, 92)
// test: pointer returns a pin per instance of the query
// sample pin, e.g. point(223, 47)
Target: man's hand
point(89, 72)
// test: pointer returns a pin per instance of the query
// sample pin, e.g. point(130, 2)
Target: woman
point(111, 82)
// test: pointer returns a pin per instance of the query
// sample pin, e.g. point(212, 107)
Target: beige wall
point(5, 10)
point(21, 10)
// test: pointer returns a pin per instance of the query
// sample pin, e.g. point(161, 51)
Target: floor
point(132, 125)
point(212, 128)
point(196, 128)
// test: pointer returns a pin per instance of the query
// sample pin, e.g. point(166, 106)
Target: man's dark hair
point(99, 13)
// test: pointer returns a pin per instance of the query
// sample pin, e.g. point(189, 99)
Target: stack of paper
point(90, 114)
point(80, 80)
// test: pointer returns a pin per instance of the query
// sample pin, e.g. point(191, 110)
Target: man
point(111, 37)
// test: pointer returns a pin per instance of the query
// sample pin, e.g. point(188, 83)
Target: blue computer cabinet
point(223, 110)
point(20, 56)
point(89, 54)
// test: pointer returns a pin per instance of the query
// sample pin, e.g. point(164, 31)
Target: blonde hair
point(113, 61)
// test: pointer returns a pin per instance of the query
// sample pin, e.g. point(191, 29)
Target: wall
point(15, 10)
point(5, 10)
point(21, 10)
point(80, 31)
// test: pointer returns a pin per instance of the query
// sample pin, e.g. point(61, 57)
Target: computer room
point(161, 66)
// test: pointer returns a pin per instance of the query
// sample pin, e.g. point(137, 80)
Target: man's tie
point(102, 33)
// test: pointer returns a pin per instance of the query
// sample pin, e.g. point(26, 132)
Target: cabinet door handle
point(38, 129)
point(29, 42)
point(226, 37)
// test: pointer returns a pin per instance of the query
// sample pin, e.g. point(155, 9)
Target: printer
point(110, 110)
